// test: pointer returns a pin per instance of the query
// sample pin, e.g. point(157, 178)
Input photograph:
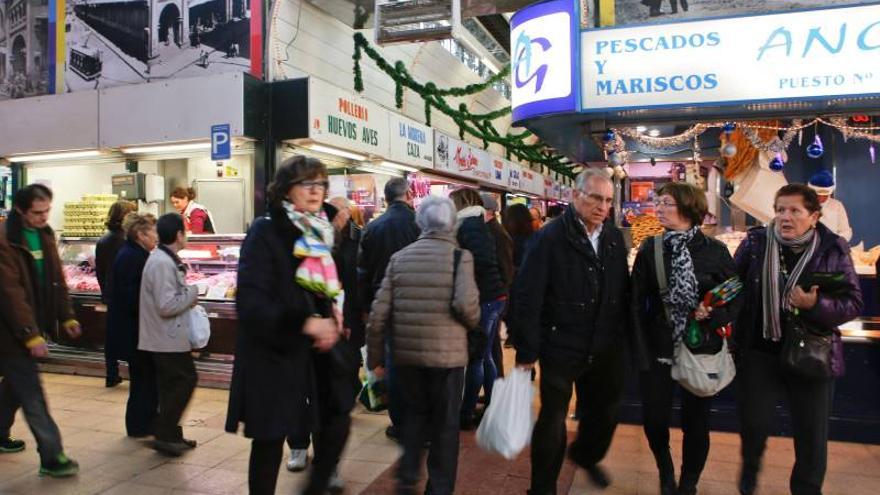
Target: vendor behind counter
point(196, 218)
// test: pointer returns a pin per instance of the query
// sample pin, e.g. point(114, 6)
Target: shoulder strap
point(660, 270)
point(456, 260)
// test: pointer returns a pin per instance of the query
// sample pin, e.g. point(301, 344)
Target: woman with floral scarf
point(291, 355)
point(695, 264)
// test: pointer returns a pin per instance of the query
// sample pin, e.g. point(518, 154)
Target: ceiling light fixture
point(380, 170)
point(641, 128)
point(398, 166)
point(334, 151)
point(61, 155)
point(654, 132)
point(166, 148)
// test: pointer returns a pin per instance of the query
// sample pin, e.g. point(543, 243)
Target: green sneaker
point(10, 445)
point(59, 467)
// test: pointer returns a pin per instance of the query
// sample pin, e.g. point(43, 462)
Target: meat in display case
point(211, 261)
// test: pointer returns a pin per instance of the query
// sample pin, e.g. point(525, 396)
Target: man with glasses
point(386, 235)
point(570, 300)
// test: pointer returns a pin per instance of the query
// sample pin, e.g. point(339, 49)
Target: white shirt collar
point(594, 236)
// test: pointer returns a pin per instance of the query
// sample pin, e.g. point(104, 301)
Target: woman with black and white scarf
point(694, 265)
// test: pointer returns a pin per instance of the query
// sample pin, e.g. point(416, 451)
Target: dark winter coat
point(832, 255)
point(503, 251)
point(388, 234)
point(520, 244)
point(651, 331)
point(569, 303)
point(473, 234)
point(345, 255)
point(124, 300)
point(28, 307)
point(105, 255)
point(273, 389)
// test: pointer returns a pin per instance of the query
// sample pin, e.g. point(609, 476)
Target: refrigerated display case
point(211, 260)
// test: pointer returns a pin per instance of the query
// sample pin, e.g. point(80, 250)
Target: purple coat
point(832, 255)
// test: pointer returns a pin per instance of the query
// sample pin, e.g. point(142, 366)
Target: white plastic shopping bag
point(506, 427)
point(199, 327)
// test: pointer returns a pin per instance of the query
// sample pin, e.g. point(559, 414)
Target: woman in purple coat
point(776, 263)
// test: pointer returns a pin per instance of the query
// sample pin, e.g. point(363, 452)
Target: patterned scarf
point(317, 271)
point(682, 297)
point(772, 276)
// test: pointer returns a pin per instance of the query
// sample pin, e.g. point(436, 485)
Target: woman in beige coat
point(427, 301)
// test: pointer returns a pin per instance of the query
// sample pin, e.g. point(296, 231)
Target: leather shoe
point(598, 476)
point(667, 487)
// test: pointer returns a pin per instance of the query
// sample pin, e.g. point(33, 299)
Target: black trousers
point(432, 400)
point(601, 389)
point(657, 390)
point(263, 466)
point(761, 383)
point(176, 380)
point(143, 395)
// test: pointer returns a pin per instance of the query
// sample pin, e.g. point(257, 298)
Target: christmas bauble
point(815, 150)
point(608, 136)
point(728, 150)
point(729, 127)
point(776, 164)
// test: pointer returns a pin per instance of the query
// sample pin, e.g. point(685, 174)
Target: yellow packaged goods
point(86, 218)
point(643, 227)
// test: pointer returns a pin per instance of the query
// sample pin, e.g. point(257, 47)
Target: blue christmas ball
point(608, 136)
point(815, 150)
point(776, 164)
point(729, 127)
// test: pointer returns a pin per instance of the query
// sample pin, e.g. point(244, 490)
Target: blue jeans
point(481, 374)
point(21, 388)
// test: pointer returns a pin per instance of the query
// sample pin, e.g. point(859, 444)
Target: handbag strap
point(456, 260)
point(660, 270)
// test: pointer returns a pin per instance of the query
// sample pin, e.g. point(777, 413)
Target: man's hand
point(324, 331)
point(73, 329)
point(40, 351)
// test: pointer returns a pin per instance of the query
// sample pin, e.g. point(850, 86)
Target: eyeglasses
point(313, 185)
point(664, 203)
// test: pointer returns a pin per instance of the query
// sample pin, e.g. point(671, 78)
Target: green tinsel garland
point(477, 125)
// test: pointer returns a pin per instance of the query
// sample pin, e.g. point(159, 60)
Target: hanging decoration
point(816, 149)
point(872, 154)
point(692, 169)
point(477, 125)
point(777, 164)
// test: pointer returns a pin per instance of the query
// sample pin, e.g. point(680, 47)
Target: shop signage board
point(411, 143)
point(813, 54)
point(544, 42)
point(514, 176)
point(532, 182)
point(499, 171)
point(459, 158)
point(221, 144)
point(342, 119)
point(483, 170)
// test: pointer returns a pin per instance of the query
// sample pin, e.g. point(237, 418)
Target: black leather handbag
point(804, 351)
point(477, 340)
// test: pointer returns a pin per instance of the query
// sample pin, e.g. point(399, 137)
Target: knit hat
point(822, 182)
point(489, 201)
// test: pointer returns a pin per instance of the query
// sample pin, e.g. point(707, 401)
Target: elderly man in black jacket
point(570, 302)
point(388, 234)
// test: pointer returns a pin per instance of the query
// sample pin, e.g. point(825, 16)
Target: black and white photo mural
point(24, 48)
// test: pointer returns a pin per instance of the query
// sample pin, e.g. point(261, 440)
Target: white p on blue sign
point(221, 142)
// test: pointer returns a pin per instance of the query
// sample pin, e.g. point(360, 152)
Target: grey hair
point(396, 189)
point(583, 178)
point(436, 214)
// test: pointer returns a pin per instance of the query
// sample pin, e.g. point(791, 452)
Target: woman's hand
point(702, 312)
point(323, 331)
point(804, 300)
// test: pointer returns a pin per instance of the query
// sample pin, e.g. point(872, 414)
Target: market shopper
point(694, 265)
point(123, 322)
point(105, 253)
point(33, 303)
point(196, 218)
point(293, 367)
point(164, 303)
point(537, 218)
point(504, 254)
point(427, 303)
point(518, 224)
point(786, 267)
point(833, 212)
point(473, 235)
point(570, 302)
point(388, 234)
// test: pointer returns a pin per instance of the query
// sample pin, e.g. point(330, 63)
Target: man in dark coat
point(33, 303)
point(570, 298)
point(386, 235)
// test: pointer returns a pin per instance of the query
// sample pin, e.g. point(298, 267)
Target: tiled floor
point(91, 421)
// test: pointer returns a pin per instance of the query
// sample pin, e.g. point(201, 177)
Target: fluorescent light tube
point(62, 155)
point(398, 166)
point(333, 151)
point(166, 148)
